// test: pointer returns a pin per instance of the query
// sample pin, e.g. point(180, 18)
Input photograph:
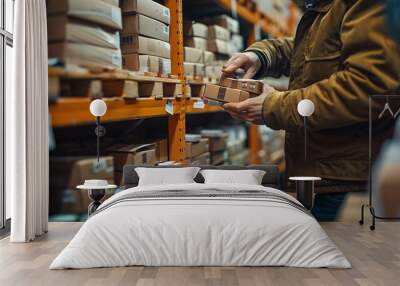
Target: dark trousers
point(331, 196)
point(327, 206)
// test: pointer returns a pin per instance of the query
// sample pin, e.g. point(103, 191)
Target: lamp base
point(305, 190)
point(95, 195)
point(305, 193)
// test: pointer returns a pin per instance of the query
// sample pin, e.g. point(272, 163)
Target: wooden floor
point(375, 257)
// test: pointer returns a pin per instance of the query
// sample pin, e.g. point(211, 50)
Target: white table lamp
point(98, 108)
point(305, 185)
point(305, 108)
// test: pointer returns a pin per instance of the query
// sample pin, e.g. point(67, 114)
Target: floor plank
point(375, 257)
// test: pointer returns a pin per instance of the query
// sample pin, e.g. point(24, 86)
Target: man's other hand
point(247, 61)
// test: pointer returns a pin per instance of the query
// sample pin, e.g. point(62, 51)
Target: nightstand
point(96, 191)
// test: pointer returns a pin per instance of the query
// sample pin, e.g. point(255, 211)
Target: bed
point(198, 224)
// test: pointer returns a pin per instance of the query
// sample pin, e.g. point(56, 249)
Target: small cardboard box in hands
point(224, 94)
point(249, 85)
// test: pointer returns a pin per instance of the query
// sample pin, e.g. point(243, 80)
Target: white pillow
point(166, 176)
point(247, 177)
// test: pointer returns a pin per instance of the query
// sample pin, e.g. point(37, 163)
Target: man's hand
point(248, 61)
point(251, 109)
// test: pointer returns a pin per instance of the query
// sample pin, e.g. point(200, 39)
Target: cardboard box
point(95, 11)
point(212, 71)
point(194, 29)
point(139, 24)
point(131, 62)
point(161, 149)
point(112, 2)
point(169, 163)
point(240, 159)
point(249, 85)
point(218, 32)
point(218, 144)
point(224, 94)
point(196, 42)
point(60, 28)
point(209, 57)
point(128, 89)
point(238, 42)
point(149, 63)
point(218, 158)
point(146, 46)
point(85, 55)
point(193, 138)
point(136, 154)
point(218, 46)
point(224, 21)
point(213, 133)
point(67, 173)
point(196, 149)
point(193, 55)
point(189, 69)
point(236, 147)
point(146, 7)
point(165, 66)
point(199, 69)
point(203, 159)
point(160, 146)
point(193, 69)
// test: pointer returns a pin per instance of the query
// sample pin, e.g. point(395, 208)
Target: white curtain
point(27, 124)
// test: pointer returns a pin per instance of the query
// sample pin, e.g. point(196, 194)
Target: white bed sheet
point(200, 232)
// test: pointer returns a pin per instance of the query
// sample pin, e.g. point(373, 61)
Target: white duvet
point(200, 231)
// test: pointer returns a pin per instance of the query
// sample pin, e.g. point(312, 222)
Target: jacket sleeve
point(277, 54)
point(371, 62)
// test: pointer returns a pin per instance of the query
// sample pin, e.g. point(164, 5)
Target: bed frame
point(271, 178)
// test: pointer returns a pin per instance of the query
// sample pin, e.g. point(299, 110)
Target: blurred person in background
point(341, 54)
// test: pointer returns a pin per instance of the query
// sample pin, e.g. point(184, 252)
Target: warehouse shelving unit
point(70, 111)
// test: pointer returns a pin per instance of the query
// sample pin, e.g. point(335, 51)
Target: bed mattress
point(201, 225)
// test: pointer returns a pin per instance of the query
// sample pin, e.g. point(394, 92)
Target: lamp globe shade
point(98, 107)
point(306, 108)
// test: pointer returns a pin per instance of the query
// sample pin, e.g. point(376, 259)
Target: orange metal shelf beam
point(70, 111)
point(207, 108)
point(75, 111)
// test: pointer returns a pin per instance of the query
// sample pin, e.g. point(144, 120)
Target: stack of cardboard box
point(224, 40)
point(277, 10)
point(197, 150)
point(67, 173)
point(195, 51)
point(85, 33)
point(218, 38)
point(217, 146)
point(194, 62)
point(147, 154)
point(145, 36)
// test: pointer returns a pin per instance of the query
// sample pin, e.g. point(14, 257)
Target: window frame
point(6, 39)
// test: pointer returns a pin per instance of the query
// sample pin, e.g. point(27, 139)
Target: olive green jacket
point(341, 55)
